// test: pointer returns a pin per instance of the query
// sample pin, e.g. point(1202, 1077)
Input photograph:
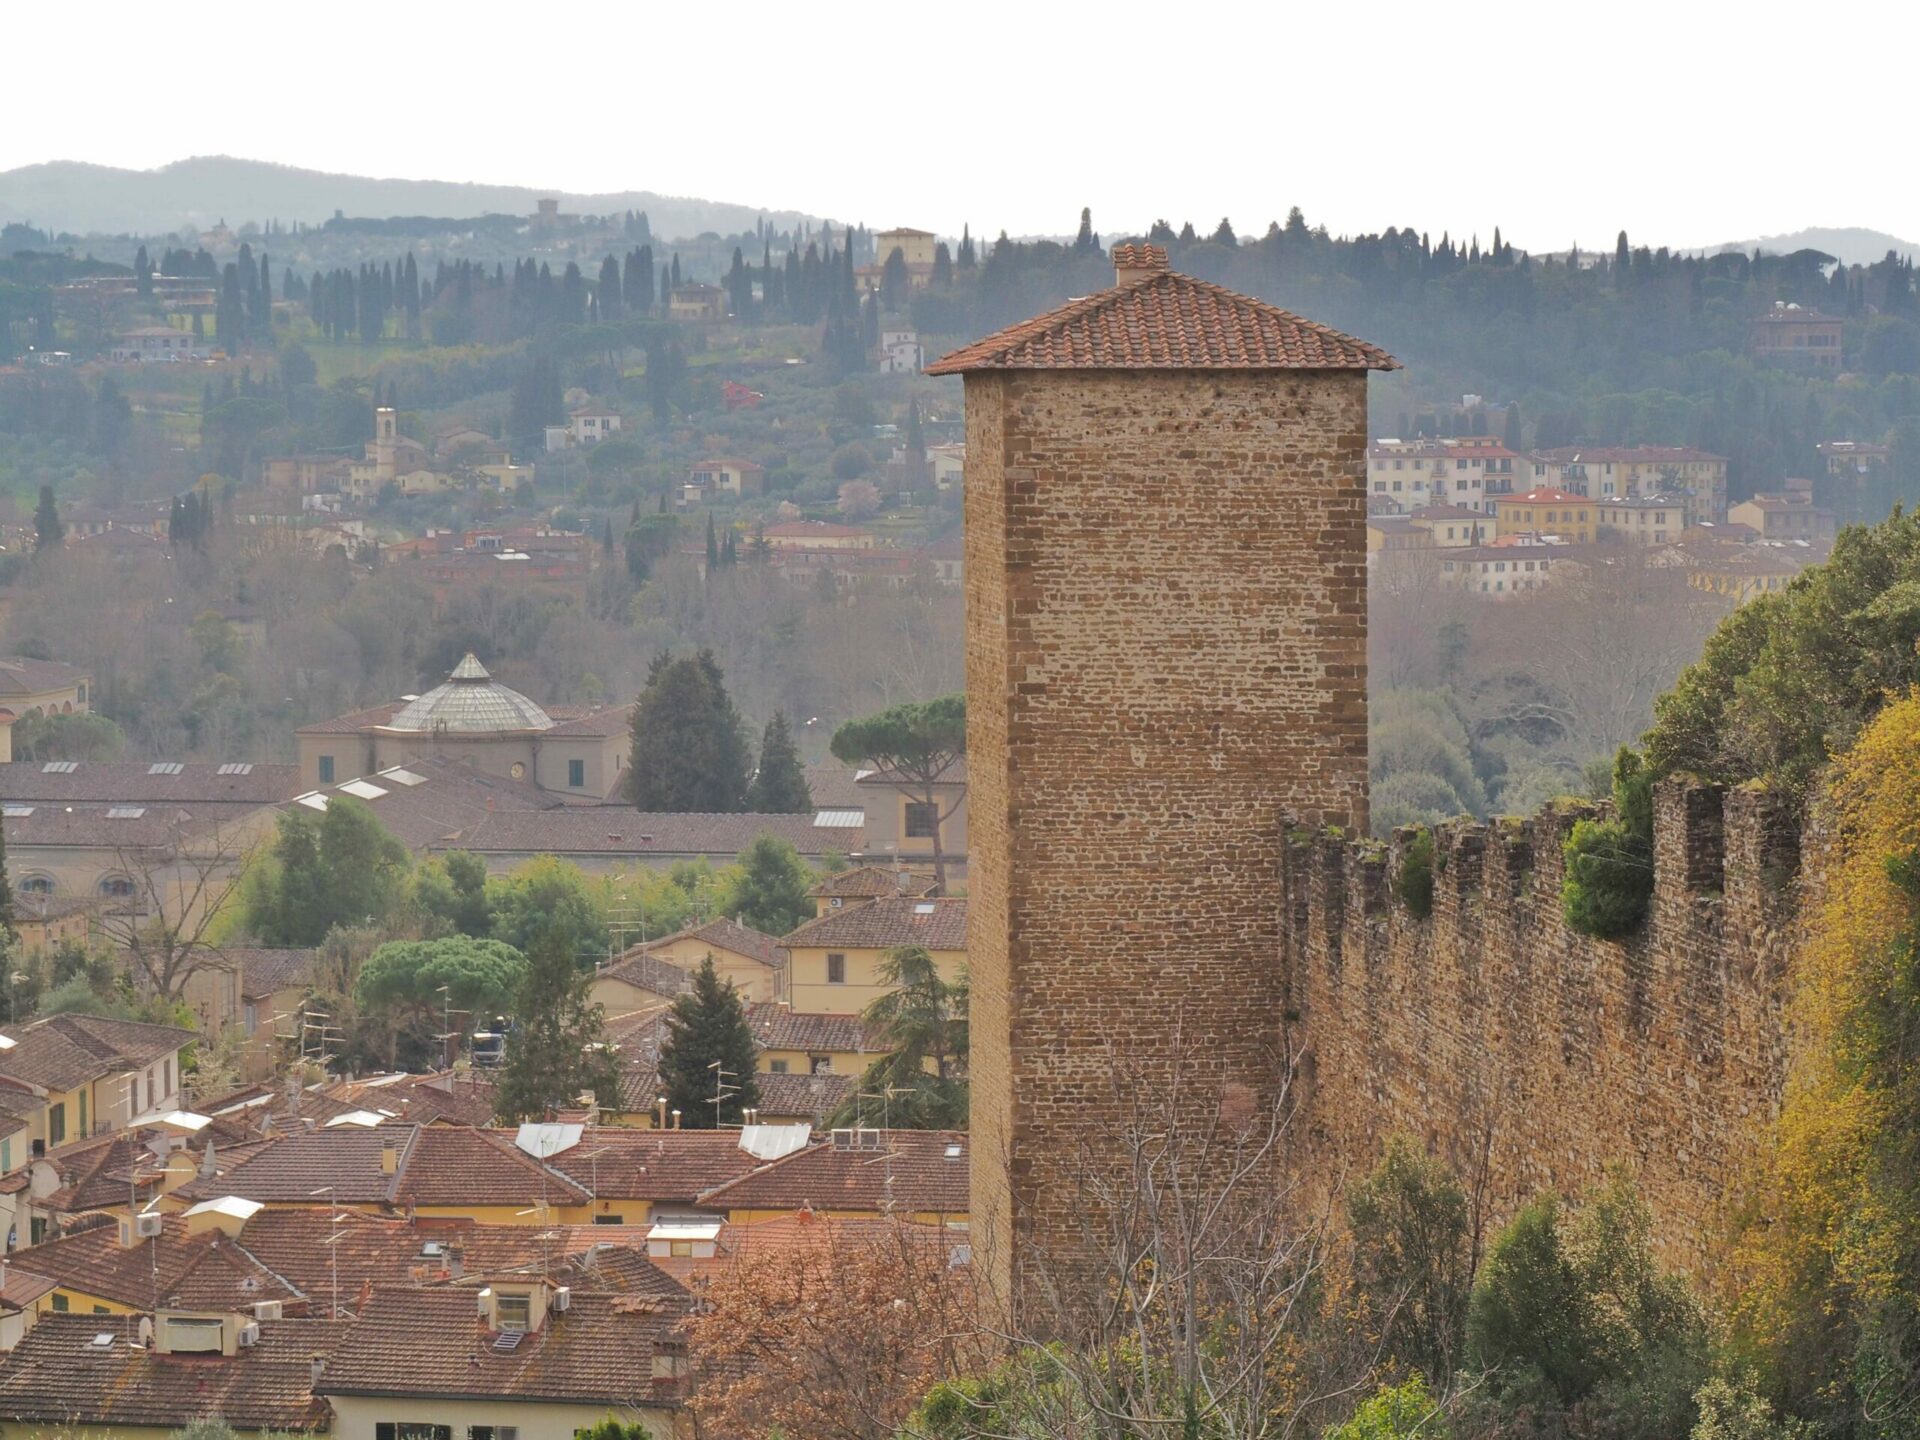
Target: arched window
point(116, 887)
point(34, 885)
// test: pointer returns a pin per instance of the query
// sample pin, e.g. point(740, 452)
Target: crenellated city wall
point(1530, 1056)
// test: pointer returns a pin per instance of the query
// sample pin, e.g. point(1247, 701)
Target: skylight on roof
point(241, 767)
point(924, 907)
point(401, 776)
point(165, 767)
point(953, 1152)
point(839, 819)
point(60, 767)
point(126, 812)
point(313, 800)
point(16, 812)
point(362, 789)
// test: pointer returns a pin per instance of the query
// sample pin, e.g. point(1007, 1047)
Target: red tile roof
point(431, 1344)
point(911, 1172)
point(660, 1166)
point(63, 1051)
point(58, 1376)
point(869, 882)
point(776, 1027)
point(1544, 495)
point(648, 972)
point(1168, 321)
point(436, 1165)
point(937, 922)
point(204, 1271)
point(729, 935)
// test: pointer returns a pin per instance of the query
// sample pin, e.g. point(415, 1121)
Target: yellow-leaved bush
point(1824, 1254)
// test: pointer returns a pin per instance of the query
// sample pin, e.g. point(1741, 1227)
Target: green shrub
point(1609, 878)
point(1413, 886)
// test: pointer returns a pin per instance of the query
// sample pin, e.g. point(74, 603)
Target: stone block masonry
point(1166, 650)
point(1532, 1057)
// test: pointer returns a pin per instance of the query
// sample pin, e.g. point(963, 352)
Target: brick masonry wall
point(1166, 649)
point(1533, 1056)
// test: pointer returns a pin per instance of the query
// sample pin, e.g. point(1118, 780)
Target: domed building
point(576, 753)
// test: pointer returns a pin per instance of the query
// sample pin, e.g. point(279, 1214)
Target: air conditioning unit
point(266, 1309)
point(249, 1334)
point(835, 902)
point(562, 1297)
point(146, 1226)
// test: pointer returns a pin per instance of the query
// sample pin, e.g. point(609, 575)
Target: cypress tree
point(713, 546)
point(557, 1049)
point(780, 784)
point(48, 532)
point(706, 1025)
point(688, 750)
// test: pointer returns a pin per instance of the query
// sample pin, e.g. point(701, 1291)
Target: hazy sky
point(1685, 123)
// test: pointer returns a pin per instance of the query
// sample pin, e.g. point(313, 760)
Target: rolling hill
point(1854, 245)
point(79, 198)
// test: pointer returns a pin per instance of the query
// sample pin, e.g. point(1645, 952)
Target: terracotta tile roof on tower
point(1165, 321)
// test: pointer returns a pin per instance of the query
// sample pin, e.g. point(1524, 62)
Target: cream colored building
point(1642, 519)
point(902, 821)
point(835, 961)
point(660, 970)
point(475, 719)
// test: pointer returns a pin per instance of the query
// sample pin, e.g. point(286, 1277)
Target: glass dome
point(471, 702)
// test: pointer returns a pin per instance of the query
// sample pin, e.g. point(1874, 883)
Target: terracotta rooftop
point(870, 882)
point(148, 782)
point(622, 830)
point(446, 1098)
point(775, 1027)
point(58, 1375)
point(908, 1172)
point(937, 922)
point(204, 1271)
point(1628, 455)
point(264, 971)
point(812, 1098)
point(63, 1051)
point(1164, 320)
point(729, 935)
point(435, 1165)
point(430, 1343)
point(648, 972)
point(659, 1166)
point(24, 675)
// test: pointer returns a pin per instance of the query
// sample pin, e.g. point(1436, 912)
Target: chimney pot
point(1133, 264)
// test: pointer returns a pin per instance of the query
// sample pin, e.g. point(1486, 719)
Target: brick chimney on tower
point(1135, 263)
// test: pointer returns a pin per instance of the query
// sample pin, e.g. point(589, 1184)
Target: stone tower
point(1166, 649)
